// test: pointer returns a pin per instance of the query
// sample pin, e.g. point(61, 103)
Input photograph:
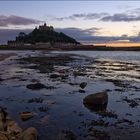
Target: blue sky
point(97, 18)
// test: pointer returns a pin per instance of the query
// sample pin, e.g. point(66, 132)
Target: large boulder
point(10, 130)
point(13, 127)
point(3, 115)
point(97, 101)
point(3, 136)
point(29, 134)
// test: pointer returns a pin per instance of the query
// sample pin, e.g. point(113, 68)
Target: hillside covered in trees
point(45, 34)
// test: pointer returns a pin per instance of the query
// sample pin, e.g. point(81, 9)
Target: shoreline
point(73, 48)
point(5, 56)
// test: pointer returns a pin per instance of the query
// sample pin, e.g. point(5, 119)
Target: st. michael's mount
point(43, 35)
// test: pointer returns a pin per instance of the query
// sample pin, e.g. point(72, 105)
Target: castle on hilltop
point(42, 36)
point(45, 27)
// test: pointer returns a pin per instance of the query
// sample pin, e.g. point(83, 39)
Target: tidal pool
point(48, 84)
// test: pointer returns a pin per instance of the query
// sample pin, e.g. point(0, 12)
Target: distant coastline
point(45, 37)
point(71, 48)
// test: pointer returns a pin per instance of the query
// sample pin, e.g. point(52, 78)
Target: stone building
point(46, 28)
point(15, 44)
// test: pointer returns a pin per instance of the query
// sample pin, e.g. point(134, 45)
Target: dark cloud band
point(16, 20)
point(128, 16)
point(82, 16)
point(121, 17)
point(87, 35)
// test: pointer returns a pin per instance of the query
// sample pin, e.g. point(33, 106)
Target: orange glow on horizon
point(129, 44)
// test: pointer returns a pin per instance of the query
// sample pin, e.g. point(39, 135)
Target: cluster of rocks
point(10, 130)
point(132, 102)
point(39, 86)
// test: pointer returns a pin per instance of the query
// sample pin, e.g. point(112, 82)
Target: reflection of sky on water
point(115, 55)
point(68, 107)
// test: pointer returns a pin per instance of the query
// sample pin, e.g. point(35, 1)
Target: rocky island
point(43, 36)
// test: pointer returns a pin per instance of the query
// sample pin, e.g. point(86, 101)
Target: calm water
point(112, 55)
point(118, 73)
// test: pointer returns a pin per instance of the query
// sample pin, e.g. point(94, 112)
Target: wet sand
point(48, 84)
point(4, 56)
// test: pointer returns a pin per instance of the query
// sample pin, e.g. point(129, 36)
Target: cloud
point(5, 21)
point(121, 17)
point(86, 35)
point(124, 6)
point(78, 33)
point(81, 16)
point(134, 11)
point(92, 35)
point(93, 30)
point(127, 16)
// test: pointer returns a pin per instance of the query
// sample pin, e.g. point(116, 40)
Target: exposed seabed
point(48, 84)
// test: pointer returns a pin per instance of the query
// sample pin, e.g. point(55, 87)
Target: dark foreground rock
point(97, 101)
point(100, 135)
point(36, 86)
point(3, 137)
point(3, 115)
point(83, 85)
point(10, 130)
point(29, 134)
point(26, 115)
point(68, 135)
point(54, 75)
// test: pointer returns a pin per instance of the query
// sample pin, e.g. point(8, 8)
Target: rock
point(54, 76)
point(36, 86)
point(81, 91)
point(1, 122)
point(100, 135)
point(83, 85)
point(26, 115)
point(132, 102)
point(68, 135)
point(2, 136)
point(97, 101)
point(1, 79)
point(13, 127)
point(43, 109)
point(29, 134)
point(109, 114)
point(35, 100)
point(10, 130)
point(64, 77)
point(3, 115)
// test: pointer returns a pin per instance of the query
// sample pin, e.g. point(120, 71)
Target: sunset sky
point(84, 20)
